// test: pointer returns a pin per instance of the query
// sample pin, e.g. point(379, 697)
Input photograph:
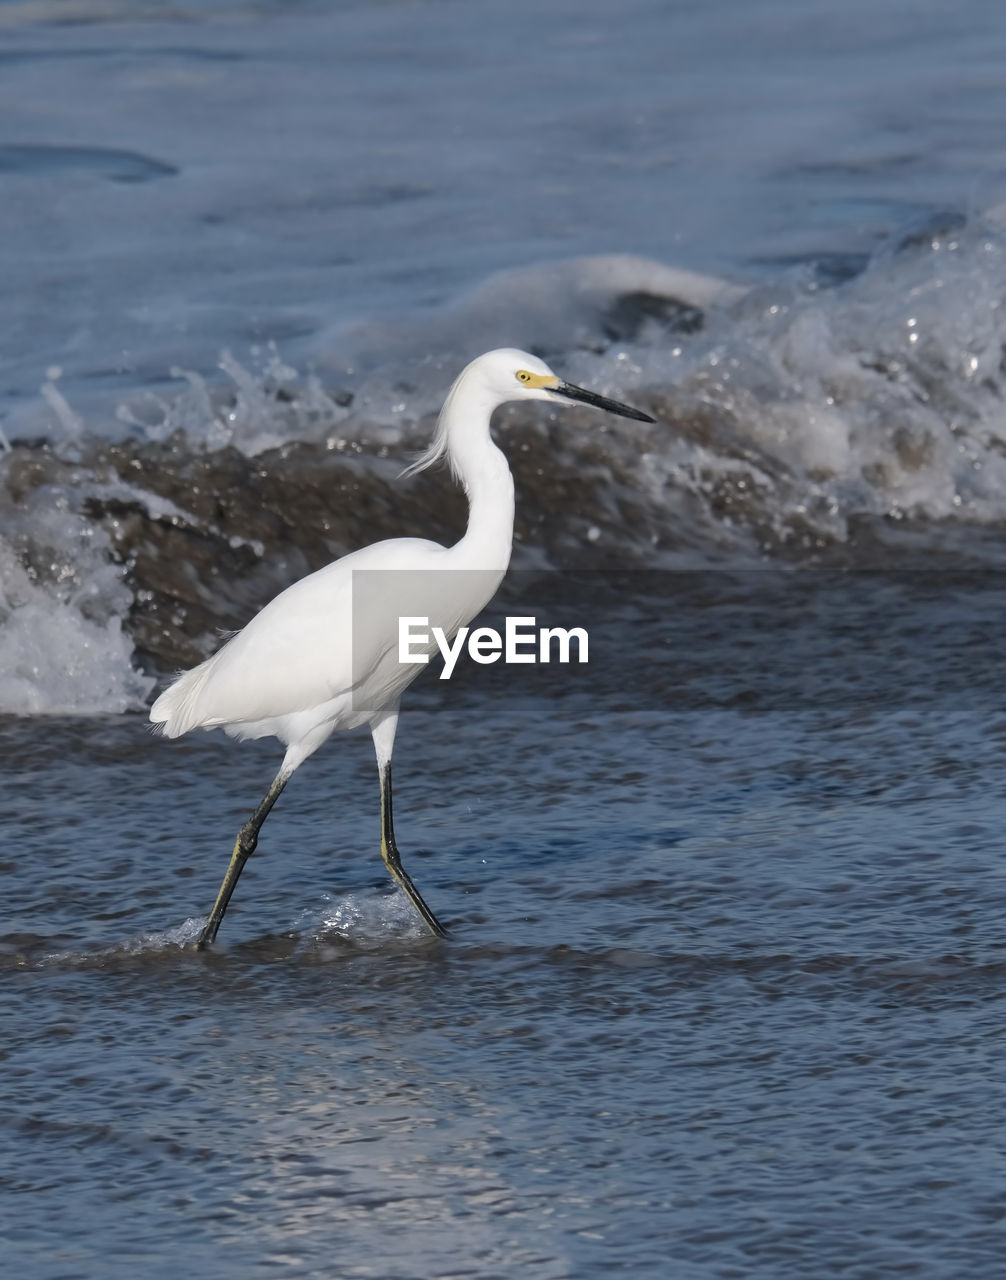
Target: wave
point(840, 412)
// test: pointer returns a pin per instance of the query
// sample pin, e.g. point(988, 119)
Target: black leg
point(393, 859)
point(244, 847)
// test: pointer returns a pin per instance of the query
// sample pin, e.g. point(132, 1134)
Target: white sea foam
point(549, 306)
point(880, 397)
point(63, 600)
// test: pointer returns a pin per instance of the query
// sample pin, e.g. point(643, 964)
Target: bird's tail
point(177, 709)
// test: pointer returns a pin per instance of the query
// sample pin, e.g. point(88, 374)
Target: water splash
point(265, 404)
point(362, 923)
point(63, 603)
point(799, 419)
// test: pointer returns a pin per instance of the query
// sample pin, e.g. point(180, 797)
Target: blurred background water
point(723, 995)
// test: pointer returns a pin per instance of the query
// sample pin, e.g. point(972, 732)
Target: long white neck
point(484, 472)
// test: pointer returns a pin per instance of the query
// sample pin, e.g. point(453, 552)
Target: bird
point(324, 654)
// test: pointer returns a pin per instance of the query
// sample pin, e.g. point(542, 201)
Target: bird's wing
point(323, 636)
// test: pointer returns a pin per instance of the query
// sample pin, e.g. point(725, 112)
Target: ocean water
point(722, 995)
point(723, 992)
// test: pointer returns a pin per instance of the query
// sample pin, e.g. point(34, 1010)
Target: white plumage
point(323, 655)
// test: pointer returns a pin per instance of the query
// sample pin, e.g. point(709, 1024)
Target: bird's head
point(510, 374)
point(497, 378)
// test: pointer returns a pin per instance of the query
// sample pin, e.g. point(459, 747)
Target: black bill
point(570, 392)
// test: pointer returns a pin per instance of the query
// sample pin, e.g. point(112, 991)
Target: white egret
point(323, 655)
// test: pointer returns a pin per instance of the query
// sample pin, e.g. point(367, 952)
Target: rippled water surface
point(723, 994)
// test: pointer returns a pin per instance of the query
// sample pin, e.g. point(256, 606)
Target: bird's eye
point(523, 375)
